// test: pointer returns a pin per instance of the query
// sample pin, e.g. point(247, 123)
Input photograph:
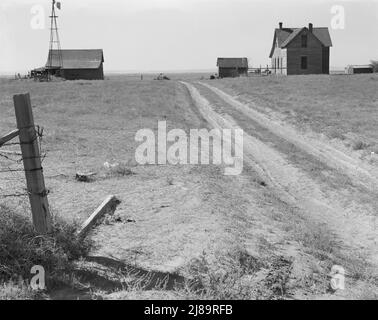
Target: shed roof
point(77, 59)
point(232, 62)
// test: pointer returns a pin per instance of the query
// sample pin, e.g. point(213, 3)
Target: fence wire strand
point(12, 169)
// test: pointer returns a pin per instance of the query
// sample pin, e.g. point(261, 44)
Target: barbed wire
point(14, 195)
point(25, 194)
point(7, 157)
point(16, 161)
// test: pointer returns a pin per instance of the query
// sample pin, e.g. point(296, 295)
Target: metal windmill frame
point(54, 45)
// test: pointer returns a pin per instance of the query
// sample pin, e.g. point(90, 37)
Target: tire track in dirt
point(356, 170)
point(357, 231)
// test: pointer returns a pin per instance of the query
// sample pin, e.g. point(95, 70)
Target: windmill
point(55, 59)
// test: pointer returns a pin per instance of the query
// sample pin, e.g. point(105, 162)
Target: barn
point(300, 50)
point(232, 67)
point(353, 69)
point(77, 64)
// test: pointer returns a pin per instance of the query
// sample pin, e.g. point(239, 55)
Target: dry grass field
point(188, 231)
point(89, 123)
point(338, 106)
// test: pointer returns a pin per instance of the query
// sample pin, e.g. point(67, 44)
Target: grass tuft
point(21, 248)
point(225, 282)
point(359, 145)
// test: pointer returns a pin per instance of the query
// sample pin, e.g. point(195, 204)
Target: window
point(304, 41)
point(303, 62)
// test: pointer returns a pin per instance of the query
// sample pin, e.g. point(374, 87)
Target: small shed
point(77, 64)
point(232, 67)
point(354, 69)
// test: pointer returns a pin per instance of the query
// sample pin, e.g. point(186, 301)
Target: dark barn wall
point(313, 52)
point(232, 72)
point(362, 70)
point(84, 74)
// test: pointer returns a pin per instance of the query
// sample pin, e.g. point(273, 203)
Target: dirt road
point(327, 185)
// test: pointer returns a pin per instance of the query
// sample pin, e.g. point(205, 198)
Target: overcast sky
point(164, 35)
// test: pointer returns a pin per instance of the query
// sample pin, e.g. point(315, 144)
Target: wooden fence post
point(32, 164)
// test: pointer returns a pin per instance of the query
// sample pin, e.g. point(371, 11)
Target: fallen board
point(109, 205)
point(9, 137)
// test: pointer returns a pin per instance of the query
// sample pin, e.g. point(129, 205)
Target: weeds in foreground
point(226, 280)
point(21, 248)
point(18, 291)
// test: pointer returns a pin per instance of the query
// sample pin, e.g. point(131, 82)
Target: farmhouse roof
point(232, 62)
point(285, 35)
point(77, 59)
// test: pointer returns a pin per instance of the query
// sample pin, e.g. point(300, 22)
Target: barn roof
point(232, 62)
point(285, 35)
point(77, 59)
point(360, 66)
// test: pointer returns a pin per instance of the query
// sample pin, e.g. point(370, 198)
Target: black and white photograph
point(188, 154)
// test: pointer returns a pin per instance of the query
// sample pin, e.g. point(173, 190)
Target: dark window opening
point(304, 41)
point(303, 62)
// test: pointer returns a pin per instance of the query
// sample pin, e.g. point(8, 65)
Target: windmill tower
point(55, 59)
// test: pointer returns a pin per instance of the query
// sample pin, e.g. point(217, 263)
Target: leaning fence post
point(32, 164)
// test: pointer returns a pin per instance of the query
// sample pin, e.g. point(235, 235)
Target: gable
point(295, 39)
point(285, 36)
point(292, 36)
point(279, 37)
point(323, 35)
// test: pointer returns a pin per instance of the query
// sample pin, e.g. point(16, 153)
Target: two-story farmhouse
point(300, 50)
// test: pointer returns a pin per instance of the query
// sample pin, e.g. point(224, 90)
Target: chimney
point(310, 27)
point(280, 24)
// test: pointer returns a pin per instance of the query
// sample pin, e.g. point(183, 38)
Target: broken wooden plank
point(109, 205)
point(9, 137)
